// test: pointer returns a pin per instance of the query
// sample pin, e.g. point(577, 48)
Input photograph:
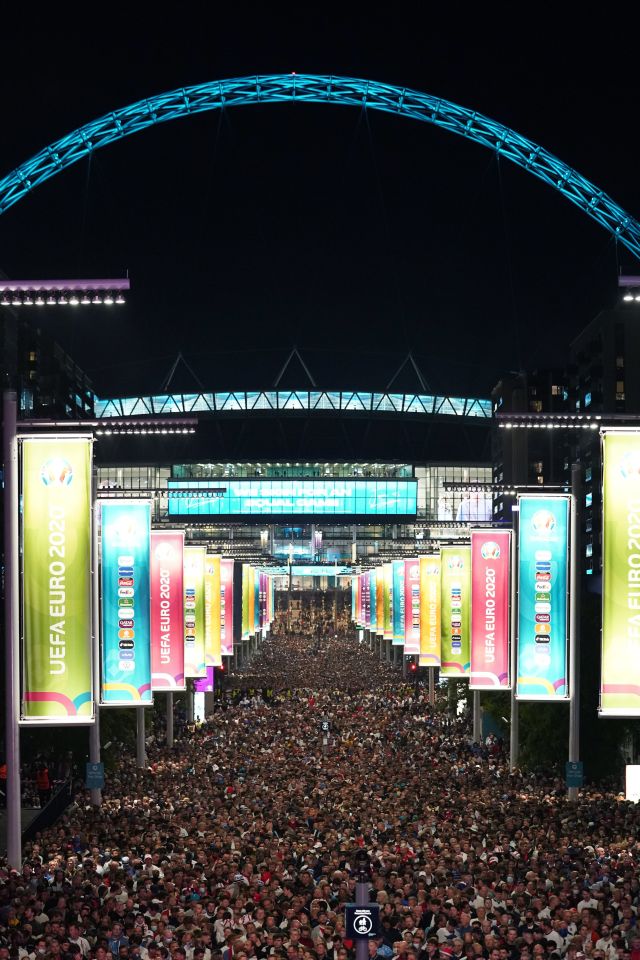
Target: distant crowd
point(241, 842)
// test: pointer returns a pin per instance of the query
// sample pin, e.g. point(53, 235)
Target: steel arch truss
point(307, 88)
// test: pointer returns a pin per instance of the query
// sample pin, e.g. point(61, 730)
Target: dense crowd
point(241, 842)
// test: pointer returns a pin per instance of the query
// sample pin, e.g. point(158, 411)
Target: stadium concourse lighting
point(51, 293)
point(117, 427)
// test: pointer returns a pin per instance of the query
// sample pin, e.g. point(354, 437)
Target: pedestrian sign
point(574, 773)
point(94, 776)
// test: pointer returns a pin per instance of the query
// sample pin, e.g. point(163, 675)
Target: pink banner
point(167, 627)
point(226, 607)
point(412, 607)
point(205, 684)
point(490, 555)
point(366, 598)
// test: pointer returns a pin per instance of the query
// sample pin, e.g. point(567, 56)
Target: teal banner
point(542, 591)
point(398, 603)
point(126, 626)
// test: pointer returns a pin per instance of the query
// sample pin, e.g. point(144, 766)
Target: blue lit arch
point(306, 88)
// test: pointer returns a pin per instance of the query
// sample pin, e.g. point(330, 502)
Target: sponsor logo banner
point(397, 604)
point(126, 652)
point(373, 600)
point(412, 607)
point(57, 682)
point(490, 554)
point(455, 608)
point(212, 649)
point(542, 592)
point(430, 611)
point(226, 607)
point(387, 572)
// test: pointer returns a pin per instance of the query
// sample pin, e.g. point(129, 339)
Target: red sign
point(226, 607)
point(490, 556)
point(167, 627)
point(412, 607)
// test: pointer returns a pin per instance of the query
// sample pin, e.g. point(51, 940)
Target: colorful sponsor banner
point(205, 684)
point(373, 600)
point(380, 601)
point(455, 609)
point(226, 607)
point(256, 600)
point(194, 629)
point(620, 678)
point(398, 603)
point(212, 649)
point(412, 607)
point(354, 597)
point(542, 592)
point(490, 556)
point(57, 681)
point(366, 584)
point(387, 572)
point(245, 599)
point(126, 608)
point(167, 610)
point(429, 611)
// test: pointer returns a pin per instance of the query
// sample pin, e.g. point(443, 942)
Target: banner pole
point(94, 729)
point(514, 733)
point(12, 628)
point(170, 719)
point(141, 754)
point(432, 685)
point(477, 717)
point(574, 623)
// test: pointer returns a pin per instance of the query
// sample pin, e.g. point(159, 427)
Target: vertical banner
point(226, 607)
point(373, 600)
point(429, 611)
point(620, 678)
point(367, 599)
point(412, 607)
point(455, 626)
point(354, 597)
point(212, 649)
point(205, 684)
point(256, 600)
point(388, 601)
point(56, 541)
point(398, 603)
point(380, 601)
point(490, 554)
point(126, 607)
point(542, 592)
point(167, 610)
point(194, 639)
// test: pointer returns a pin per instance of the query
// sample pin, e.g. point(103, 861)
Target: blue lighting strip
point(292, 400)
point(306, 88)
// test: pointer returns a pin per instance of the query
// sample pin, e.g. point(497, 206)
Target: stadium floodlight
point(17, 293)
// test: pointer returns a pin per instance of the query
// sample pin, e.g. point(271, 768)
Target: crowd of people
point(241, 842)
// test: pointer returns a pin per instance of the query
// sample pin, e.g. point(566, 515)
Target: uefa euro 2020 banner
point(212, 650)
point(373, 600)
point(620, 680)
point(167, 610)
point(490, 556)
point(430, 611)
point(194, 638)
point(455, 608)
point(387, 569)
point(57, 687)
point(380, 601)
point(126, 624)
point(542, 593)
point(412, 607)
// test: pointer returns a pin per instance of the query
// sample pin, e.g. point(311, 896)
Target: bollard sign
point(361, 922)
point(57, 682)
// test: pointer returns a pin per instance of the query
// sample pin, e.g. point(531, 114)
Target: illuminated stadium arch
point(307, 88)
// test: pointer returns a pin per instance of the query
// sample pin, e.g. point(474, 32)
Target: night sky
point(355, 235)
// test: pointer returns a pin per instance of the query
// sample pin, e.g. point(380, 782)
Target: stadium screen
point(332, 497)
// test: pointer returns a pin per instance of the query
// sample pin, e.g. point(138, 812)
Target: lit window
point(33, 356)
point(588, 550)
point(588, 500)
point(540, 480)
point(587, 400)
point(619, 386)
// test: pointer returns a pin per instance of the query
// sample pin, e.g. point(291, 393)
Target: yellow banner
point(429, 612)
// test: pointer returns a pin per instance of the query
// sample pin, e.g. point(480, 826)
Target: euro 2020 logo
point(543, 521)
point(490, 550)
point(455, 562)
point(56, 472)
point(630, 465)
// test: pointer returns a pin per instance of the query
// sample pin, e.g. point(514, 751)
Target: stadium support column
point(170, 720)
point(12, 626)
point(432, 685)
point(514, 732)
point(141, 753)
point(574, 623)
point(362, 898)
point(477, 717)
